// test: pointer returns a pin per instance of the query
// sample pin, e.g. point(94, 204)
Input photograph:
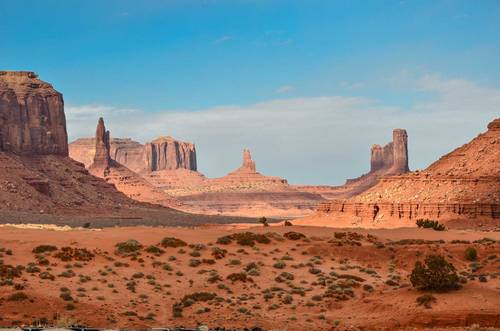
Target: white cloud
point(284, 89)
point(312, 139)
point(223, 39)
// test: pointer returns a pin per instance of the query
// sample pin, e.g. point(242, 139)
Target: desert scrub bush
point(279, 265)
point(292, 235)
point(9, 272)
point(66, 296)
point(78, 254)
point(436, 274)
point(155, 250)
point(44, 249)
point(18, 296)
point(426, 300)
point(218, 253)
point(471, 253)
point(46, 275)
point(244, 239)
point(194, 263)
point(128, 247)
point(288, 223)
point(239, 277)
point(263, 221)
point(429, 224)
point(172, 242)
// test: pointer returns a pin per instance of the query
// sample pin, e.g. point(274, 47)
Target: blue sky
point(223, 73)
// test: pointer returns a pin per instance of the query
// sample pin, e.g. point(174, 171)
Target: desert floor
point(323, 281)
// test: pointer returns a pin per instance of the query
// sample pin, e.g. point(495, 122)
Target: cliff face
point(462, 184)
point(164, 153)
point(32, 120)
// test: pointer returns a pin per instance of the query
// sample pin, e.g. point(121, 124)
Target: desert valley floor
point(277, 277)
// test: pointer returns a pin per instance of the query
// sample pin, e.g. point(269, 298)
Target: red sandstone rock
point(102, 160)
point(32, 117)
point(462, 184)
point(166, 153)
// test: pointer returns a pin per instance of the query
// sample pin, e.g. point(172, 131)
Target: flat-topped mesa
point(166, 153)
point(102, 159)
point(32, 120)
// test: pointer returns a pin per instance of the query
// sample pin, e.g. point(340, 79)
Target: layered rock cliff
point(32, 120)
point(462, 184)
point(165, 153)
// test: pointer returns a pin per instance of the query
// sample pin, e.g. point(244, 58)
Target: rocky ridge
point(462, 184)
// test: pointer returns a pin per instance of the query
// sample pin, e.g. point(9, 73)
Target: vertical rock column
point(102, 159)
point(400, 151)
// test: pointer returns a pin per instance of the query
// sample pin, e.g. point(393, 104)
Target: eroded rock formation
point(461, 185)
point(102, 159)
point(32, 120)
point(165, 153)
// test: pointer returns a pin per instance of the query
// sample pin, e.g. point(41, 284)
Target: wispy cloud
point(284, 89)
point(322, 139)
point(351, 85)
point(223, 39)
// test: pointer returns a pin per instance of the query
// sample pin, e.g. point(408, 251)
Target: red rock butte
point(32, 119)
point(461, 186)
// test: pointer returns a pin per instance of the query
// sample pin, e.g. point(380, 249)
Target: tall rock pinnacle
point(248, 163)
point(102, 159)
point(400, 151)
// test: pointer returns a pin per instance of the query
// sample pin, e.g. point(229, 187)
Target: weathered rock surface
point(32, 120)
point(165, 153)
point(461, 185)
point(102, 159)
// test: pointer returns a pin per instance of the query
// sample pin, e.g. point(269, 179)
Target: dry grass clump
point(292, 235)
point(244, 239)
point(426, 300)
point(44, 249)
point(18, 296)
point(155, 250)
point(239, 277)
point(9, 272)
point(129, 247)
point(218, 253)
point(78, 254)
point(172, 242)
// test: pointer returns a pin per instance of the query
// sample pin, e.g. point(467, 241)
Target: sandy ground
point(288, 290)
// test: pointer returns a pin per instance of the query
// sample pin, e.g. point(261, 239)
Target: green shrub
point(173, 242)
point(43, 249)
point(288, 223)
point(426, 300)
point(437, 274)
point(294, 235)
point(429, 224)
point(471, 254)
point(18, 296)
point(155, 250)
point(263, 221)
point(128, 247)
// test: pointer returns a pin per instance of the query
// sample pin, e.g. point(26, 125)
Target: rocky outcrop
point(128, 152)
point(461, 185)
point(102, 159)
point(166, 153)
point(32, 120)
